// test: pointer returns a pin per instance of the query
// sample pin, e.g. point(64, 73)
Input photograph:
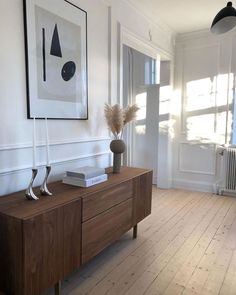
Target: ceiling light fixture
point(225, 20)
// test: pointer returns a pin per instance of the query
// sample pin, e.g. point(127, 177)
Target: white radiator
point(227, 181)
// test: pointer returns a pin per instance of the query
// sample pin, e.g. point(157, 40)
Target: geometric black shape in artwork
point(55, 45)
point(68, 70)
point(44, 55)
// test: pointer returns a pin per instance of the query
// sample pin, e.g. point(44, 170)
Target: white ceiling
point(182, 16)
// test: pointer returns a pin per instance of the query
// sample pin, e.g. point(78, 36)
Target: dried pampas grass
point(117, 118)
point(114, 118)
point(130, 113)
point(109, 118)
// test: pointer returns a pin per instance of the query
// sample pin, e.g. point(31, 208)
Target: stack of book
point(85, 176)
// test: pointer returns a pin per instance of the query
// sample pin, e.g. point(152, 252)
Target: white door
point(140, 77)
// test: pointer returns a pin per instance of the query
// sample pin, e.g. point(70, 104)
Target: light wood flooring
point(186, 246)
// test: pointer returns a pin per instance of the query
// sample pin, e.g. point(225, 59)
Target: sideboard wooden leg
point(58, 288)
point(135, 231)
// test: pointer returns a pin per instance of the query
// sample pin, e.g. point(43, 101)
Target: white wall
point(73, 143)
point(200, 57)
point(124, 16)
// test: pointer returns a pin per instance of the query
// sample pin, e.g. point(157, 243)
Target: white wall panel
point(204, 60)
point(203, 161)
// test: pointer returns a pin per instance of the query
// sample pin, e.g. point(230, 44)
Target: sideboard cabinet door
point(72, 236)
point(11, 255)
point(142, 200)
point(51, 247)
point(42, 251)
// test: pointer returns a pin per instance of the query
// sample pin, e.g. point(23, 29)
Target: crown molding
point(193, 35)
point(206, 33)
point(158, 23)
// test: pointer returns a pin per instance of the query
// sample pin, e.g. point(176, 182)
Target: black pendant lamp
point(225, 20)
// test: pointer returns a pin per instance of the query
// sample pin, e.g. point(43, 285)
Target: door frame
point(130, 39)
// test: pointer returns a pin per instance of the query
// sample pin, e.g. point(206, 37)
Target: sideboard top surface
point(16, 205)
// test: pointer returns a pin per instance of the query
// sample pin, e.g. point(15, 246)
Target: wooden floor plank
point(163, 278)
point(121, 278)
point(180, 275)
point(186, 246)
point(217, 274)
point(159, 274)
point(229, 284)
point(206, 264)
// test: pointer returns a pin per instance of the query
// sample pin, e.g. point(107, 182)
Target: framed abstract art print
point(56, 59)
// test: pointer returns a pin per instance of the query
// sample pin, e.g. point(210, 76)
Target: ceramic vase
point(117, 146)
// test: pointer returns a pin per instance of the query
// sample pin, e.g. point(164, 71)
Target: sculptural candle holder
point(29, 191)
point(43, 188)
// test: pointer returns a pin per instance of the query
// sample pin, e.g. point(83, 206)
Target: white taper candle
point(47, 142)
point(34, 146)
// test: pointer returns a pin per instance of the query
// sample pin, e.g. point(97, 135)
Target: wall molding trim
point(27, 145)
point(15, 170)
point(182, 170)
point(180, 38)
point(130, 39)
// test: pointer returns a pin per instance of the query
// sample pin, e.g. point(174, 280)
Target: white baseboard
point(192, 185)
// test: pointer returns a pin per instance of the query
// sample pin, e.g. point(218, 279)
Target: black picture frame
point(56, 60)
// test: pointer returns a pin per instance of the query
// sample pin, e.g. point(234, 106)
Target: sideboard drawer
point(95, 204)
point(102, 230)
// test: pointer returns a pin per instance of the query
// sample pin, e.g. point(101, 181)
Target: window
point(208, 104)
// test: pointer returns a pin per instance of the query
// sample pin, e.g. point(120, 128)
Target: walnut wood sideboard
point(41, 242)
